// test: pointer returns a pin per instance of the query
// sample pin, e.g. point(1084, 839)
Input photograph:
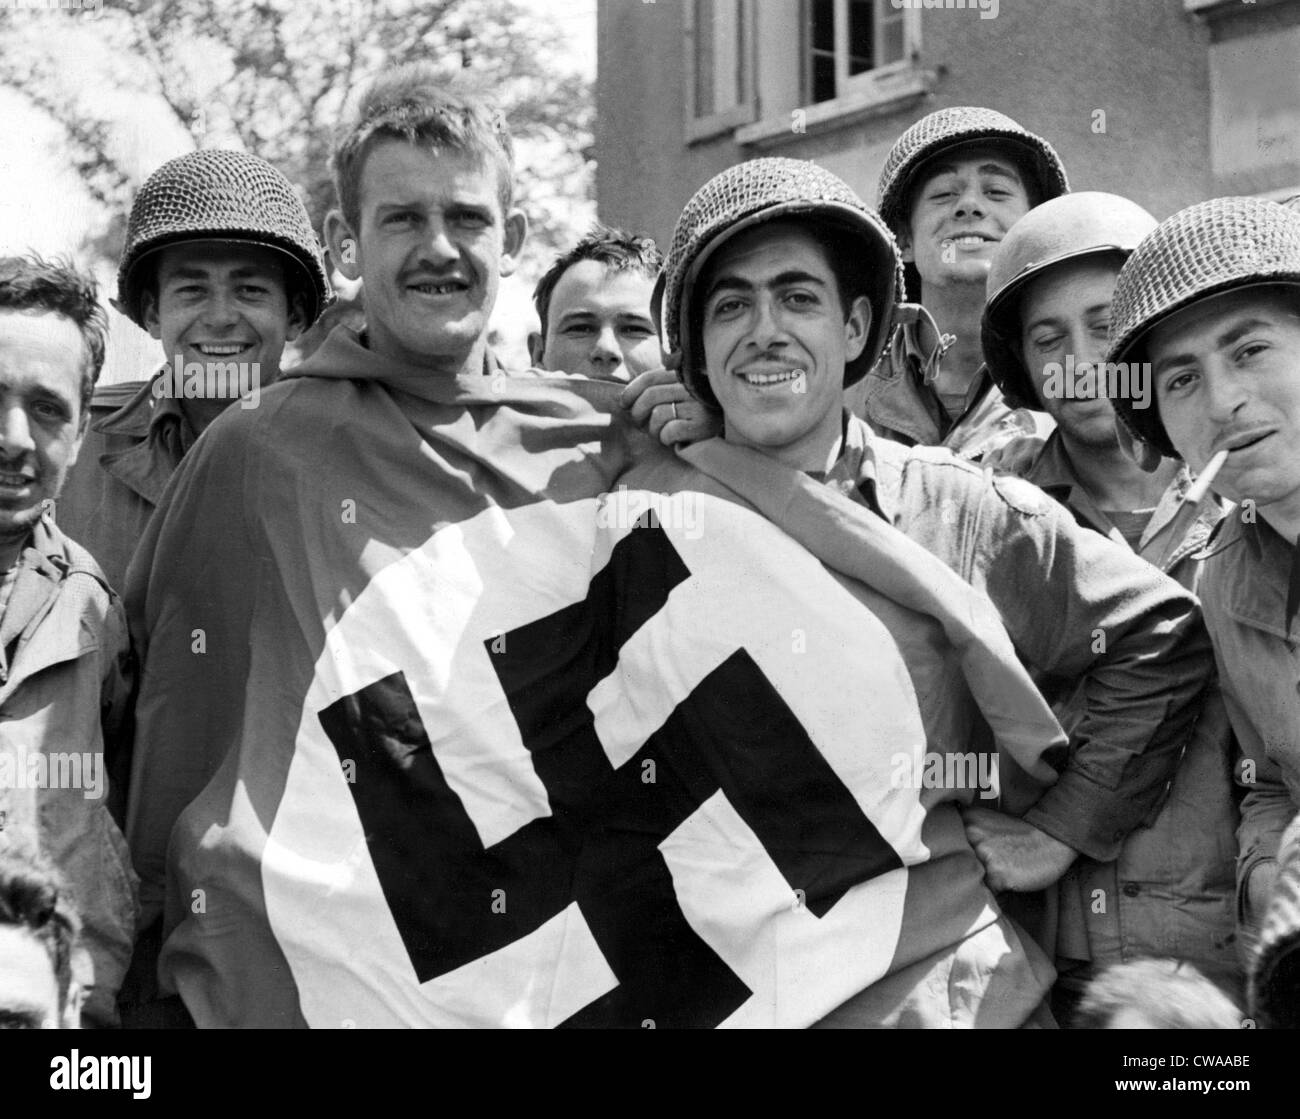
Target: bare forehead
point(39, 332)
point(1200, 324)
point(591, 283)
point(970, 159)
point(769, 249)
point(40, 350)
point(1071, 286)
point(213, 258)
point(397, 172)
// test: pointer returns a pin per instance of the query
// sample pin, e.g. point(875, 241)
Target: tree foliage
point(276, 77)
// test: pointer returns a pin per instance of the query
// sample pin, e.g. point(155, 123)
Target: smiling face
point(42, 359)
point(1066, 311)
point(776, 341)
point(431, 250)
point(598, 323)
point(1227, 377)
point(221, 302)
point(963, 204)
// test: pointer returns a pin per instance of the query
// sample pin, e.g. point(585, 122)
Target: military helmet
point(763, 190)
point(964, 124)
point(219, 195)
point(1204, 250)
point(1071, 227)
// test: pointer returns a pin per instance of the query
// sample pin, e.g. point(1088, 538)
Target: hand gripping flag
point(465, 704)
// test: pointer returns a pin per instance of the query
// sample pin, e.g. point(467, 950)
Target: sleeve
point(1082, 610)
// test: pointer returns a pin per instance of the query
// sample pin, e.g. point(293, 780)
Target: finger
point(658, 422)
point(643, 381)
point(656, 397)
point(680, 431)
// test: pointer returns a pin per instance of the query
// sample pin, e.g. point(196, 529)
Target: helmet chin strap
point(906, 314)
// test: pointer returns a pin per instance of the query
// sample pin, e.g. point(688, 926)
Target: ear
point(344, 245)
point(514, 235)
point(149, 312)
point(297, 316)
point(536, 349)
point(856, 328)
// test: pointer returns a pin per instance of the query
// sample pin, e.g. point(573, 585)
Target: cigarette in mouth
point(1202, 484)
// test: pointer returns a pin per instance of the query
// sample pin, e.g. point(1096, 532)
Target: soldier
point(594, 307)
point(1170, 892)
point(952, 186)
point(775, 300)
point(221, 266)
point(1208, 307)
point(65, 667)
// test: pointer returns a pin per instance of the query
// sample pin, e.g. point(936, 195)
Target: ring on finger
point(675, 415)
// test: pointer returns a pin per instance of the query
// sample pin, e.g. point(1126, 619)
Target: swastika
point(733, 734)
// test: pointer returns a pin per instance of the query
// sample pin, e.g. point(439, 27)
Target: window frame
point(746, 109)
point(847, 84)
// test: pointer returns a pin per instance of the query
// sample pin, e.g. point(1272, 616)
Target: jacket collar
point(1265, 596)
point(42, 567)
point(1053, 472)
point(162, 435)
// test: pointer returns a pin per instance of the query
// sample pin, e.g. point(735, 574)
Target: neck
point(451, 364)
point(1113, 480)
point(11, 547)
point(817, 451)
point(957, 308)
point(1284, 517)
point(200, 413)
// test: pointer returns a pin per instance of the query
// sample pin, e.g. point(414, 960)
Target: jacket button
point(1131, 889)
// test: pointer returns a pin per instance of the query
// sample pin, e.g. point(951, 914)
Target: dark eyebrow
point(1228, 338)
point(190, 272)
point(1095, 309)
point(44, 393)
point(782, 279)
point(184, 272)
point(1234, 334)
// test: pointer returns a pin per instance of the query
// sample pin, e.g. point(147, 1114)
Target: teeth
point(968, 240)
point(771, 378)
point(438, 289)
point(12, 480)
point(223, 350)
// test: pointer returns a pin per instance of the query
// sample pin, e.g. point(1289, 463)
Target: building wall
point(1050, 64)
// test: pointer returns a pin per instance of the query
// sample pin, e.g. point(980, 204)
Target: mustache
point(16, 465)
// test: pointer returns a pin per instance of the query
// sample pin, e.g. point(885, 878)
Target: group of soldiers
point(987, 400)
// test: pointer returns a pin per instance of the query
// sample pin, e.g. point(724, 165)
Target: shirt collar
point(856, 468)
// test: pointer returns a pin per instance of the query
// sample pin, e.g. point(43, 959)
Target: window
point(845, 39)
point(719, 54)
